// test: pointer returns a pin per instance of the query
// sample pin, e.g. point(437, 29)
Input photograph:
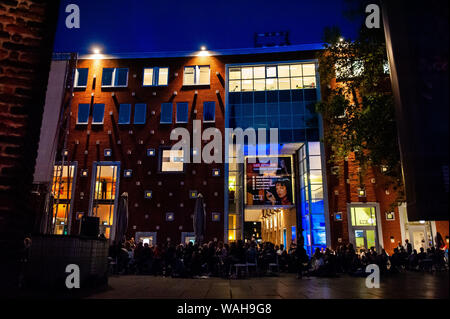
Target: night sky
point(120, 26)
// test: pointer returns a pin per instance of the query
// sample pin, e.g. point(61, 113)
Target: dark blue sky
point(148, 25)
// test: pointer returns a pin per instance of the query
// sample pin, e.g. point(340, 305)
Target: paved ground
point(405, 285)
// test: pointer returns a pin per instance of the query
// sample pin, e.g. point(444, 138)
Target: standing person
point(302, 258)
point(408, 247)
point(103, 188)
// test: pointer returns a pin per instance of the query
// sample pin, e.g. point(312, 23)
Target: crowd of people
point(230, 260)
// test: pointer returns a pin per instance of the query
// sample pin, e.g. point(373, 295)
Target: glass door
point(363, 227)
point(364, 239)
point(105, 187)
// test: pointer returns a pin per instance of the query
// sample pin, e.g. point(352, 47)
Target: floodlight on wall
point(107, 152)
point(148, 194)
point(392, 239)
point(151, 152)
point(361, 192)
point(215, 217)
point(384, 168)
point(170, 217)
point(216, 172)
point(65, 152)
point(446, 239)
point(193, 194)
point(128, 173)
point(390, 216)
point(84, 173)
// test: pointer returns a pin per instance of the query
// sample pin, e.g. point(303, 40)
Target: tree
point(358, 107)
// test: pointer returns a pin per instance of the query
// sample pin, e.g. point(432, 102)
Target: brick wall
point(146, 214)
point(26, 39)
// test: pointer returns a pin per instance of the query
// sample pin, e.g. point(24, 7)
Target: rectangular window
point(104, 190)
point(115, 77)
point(196, 75)
point(148, 77)
point(83, 113)
point(182, 112)
point(363, 216)
point(155, 76)
point(81, 78)
point(62, 190)
point(166, 113)
point(172, 161)
point(124, 113)
point(209, 111)
point(272, 77)
point(140, 113)
point(98, 114)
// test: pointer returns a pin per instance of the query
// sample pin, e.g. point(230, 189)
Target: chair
point(237, 266)
point(274, 265)
point(252, 263)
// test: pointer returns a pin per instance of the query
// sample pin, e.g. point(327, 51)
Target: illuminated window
point(172, 161)
point(83, 114)
point(115, 77)
point(363, 216)
point(62, 190)
point(105, 189)
point(272, 77)
point(196, 75)
point(155, 76)
point(81, 78)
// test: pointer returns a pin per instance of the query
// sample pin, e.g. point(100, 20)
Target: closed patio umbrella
point(199, 219)
point(122, 218)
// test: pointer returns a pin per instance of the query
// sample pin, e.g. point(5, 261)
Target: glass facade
point(275, 96)
point(312, 197)
point(282, 96)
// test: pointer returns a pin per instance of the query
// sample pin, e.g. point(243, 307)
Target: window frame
point(113, 78)
point(88, 112)
point(129, 115)
point(93, 114)
point(187, 113)
point(209, 121)
point(171, 113)
point(197, 75)
point(155, 76)
point(77, 77)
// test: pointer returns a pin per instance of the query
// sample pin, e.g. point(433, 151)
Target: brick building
point(117, 117)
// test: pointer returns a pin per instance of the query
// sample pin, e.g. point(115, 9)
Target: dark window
point(121, 77)
point(140, 113)
point(98, 114)
point(166, 113)
point(182, 112)
point(209, 112)
point(83, 114)
point(81, 77)
point(124, 113)
point(107, 76)
point(114, 77)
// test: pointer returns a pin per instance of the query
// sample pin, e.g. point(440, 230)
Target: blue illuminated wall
point(312, 206)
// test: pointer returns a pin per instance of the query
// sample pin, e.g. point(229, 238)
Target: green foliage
point(359, 113)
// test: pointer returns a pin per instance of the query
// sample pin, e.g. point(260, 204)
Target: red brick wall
point(202, 180)
point(375, 186)
point(442, 228)
point(27, 29)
